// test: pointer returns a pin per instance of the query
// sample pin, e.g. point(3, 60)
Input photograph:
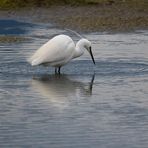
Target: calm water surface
point(105, 106)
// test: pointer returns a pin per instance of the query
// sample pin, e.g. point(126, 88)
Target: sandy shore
point(85, 18)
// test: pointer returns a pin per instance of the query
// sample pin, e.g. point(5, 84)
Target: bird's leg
point(55, 70)
point(59, 70)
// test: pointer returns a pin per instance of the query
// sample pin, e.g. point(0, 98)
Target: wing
point(56, 49)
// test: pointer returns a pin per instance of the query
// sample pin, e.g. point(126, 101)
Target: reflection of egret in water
point(60, 89)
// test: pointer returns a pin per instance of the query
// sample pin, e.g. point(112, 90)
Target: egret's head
point(87, 46)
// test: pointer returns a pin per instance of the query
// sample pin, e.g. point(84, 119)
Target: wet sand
point(91, 18)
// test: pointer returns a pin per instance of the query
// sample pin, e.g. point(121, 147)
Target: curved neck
point(79, 49)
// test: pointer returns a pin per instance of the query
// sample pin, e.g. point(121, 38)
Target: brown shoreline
point(85, 18)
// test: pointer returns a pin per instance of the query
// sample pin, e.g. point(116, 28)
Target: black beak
point(90, 51)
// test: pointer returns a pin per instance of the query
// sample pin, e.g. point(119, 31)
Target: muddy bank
point(119, 17)
point(12, 39)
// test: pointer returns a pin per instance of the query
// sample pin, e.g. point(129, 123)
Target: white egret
point(60, 50)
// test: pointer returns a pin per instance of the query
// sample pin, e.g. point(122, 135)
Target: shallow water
point(103, 106)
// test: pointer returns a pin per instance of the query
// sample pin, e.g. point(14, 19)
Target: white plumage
point(60, 50)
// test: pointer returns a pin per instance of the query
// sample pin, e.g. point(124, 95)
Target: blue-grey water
point(87, 106)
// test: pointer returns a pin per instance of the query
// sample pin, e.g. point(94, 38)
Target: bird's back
point(58, 50)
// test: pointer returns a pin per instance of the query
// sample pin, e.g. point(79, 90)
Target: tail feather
point(34, 61)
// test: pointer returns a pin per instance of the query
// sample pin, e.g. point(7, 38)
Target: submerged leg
point(59, 70)
point(55, 70)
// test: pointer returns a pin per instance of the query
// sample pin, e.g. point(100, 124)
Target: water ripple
point(87, 106)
